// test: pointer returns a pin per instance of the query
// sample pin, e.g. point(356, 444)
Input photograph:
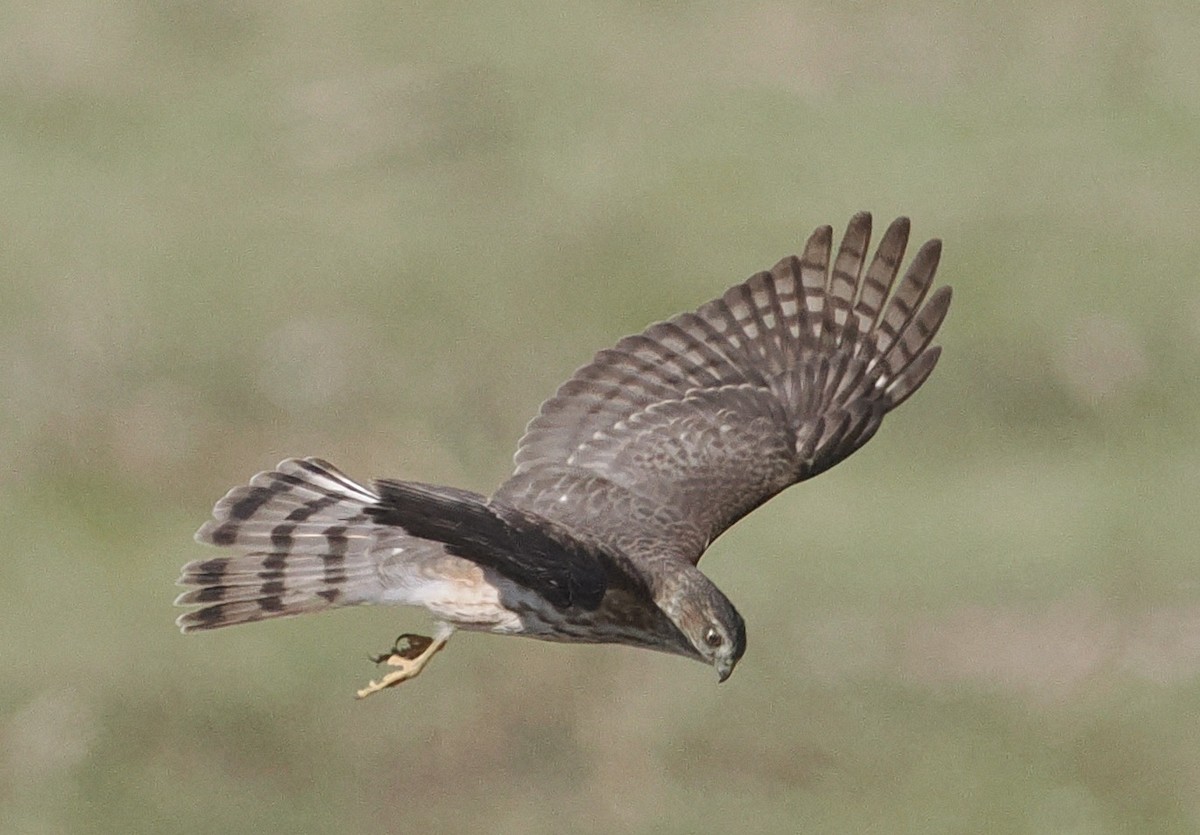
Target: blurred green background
point(383, 232)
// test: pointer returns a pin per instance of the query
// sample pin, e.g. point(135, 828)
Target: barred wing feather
point(696, 421)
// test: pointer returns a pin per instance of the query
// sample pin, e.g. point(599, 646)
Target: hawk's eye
point(713, 638)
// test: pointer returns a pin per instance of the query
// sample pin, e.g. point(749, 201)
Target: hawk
point(622, 481)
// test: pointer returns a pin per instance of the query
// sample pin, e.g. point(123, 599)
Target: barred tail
point(305, 545)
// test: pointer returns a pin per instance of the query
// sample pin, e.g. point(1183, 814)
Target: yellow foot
point(409, 655)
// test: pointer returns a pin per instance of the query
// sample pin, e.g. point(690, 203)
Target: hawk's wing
point(532, 552)
point(665, 440)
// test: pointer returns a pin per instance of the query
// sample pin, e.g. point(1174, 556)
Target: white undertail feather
point(303, 543)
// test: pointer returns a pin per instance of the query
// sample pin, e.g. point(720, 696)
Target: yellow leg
point(408, 659)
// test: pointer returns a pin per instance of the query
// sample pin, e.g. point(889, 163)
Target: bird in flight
point(622, 481)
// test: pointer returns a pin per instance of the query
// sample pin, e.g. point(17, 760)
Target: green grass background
point(383, 232)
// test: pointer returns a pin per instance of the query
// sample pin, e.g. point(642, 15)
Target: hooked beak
point(724, 670)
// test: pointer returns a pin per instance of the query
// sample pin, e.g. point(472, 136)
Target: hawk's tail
point(304, 542)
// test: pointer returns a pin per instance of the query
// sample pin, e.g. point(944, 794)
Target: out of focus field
point(382, 233)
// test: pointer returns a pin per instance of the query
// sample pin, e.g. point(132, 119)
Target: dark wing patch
point(707, 415)
point(523, 547)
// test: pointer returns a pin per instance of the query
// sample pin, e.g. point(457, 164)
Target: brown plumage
point(638, 462)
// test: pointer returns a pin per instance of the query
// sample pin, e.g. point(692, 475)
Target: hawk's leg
point(409, 655)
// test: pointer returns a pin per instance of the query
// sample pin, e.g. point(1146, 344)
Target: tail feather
point(304, 541)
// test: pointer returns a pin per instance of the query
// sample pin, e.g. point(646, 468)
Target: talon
point(409, 659)
point(414, 645)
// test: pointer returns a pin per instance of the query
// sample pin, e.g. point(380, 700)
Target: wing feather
point(524, 547)
point(701, 418)
point(838, 324)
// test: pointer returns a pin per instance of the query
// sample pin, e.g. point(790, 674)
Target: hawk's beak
point(724, 671)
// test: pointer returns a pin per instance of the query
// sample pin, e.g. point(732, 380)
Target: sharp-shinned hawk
point(623, 479)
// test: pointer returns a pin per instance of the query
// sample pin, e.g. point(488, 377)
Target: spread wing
point(668, 438)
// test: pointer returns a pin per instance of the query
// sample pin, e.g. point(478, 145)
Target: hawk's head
point(724, 635)
point(707, 619)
